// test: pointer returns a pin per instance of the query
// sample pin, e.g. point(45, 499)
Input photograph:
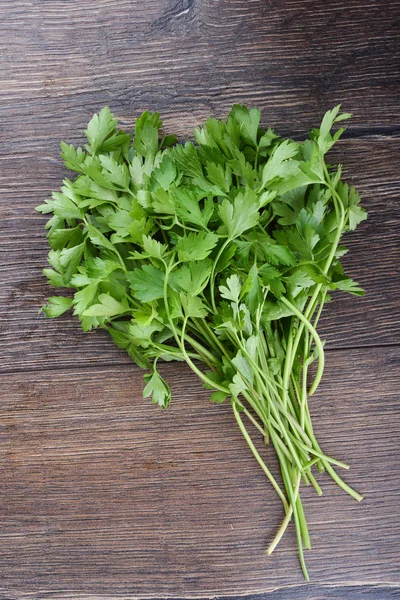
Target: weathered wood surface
point(61, 60)
point(103, 493)
point(101, 496)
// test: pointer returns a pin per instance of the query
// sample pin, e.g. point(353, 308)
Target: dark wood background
point(101, 495)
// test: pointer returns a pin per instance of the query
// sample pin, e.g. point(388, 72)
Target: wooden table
point(101, 495)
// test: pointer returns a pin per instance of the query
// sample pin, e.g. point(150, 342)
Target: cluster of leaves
point(221, 251)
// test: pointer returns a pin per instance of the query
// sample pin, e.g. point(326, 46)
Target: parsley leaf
point(147, 283)
point(196, 246)
point(56, 306)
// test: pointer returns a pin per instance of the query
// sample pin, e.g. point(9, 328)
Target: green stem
point(285, 522)
point(303, 402)
point(340, 215)
point(252, 419)
point(290, 487)
point(303, 523)
point(258, 457)
point(209, 358)
point(317, 341)
point(315, 483)
point(332, 471)
point(283, 429)
point(212, 276)
point(289, 351)
point(202, 376)
point(181, 340)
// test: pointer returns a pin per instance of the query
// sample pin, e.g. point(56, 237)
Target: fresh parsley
point(220, 253)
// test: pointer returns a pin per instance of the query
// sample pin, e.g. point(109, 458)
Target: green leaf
point(192, 277)
point(240, 215)
point(274, 311)
point(115, 172)
point(74, 158)
point(107, 307)
point(300, 278)
point(237, 386)
point(160, 202)
point(188, 208)
point(357, 214)
point(59, 238)
point(232, 289)
point(348, 285)
point(54, 278)
point(84, 297)
point(62, 206)
point(243, 366)
point(100, 127)
point(302, 176)
point(56, 306)
point(254, 294)
point(218, 397)
point(196, 246)
point(70, 259)
point(325, 139)
point(141, 333)
point(187, 159)
point(120, 334)
point(271, 277)
point(275, 166)
point(248, 121)
point(219, 176)
point(166, 173)
point(158, 389)
point(153, 248)
point(146, 141)
point(146, 283)
point(98, 239)
point(225, 258)
point(193, 306)
point(278, 255)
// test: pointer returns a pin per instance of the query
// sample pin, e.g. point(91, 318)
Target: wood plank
point(103, 494)
point(320, 592)
point(60, 61)
point(31, 342)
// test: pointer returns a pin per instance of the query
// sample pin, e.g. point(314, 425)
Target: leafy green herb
point(221, 253)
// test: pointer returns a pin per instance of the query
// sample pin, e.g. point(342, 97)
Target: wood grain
point(61, 60)
point(102, 496)
point(102, 493)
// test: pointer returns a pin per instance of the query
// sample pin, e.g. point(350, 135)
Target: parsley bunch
point(220, 253)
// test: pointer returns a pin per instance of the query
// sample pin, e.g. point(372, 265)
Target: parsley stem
point(303, 522)
point(252, 419)
point(202, 376)
point(181, 340)
point(283, 526)
point(312, 303)
point(256, 455)
point(317, 341)
point(210, 358)
point(292, 489)
point(282, 408)
point(212, 276)
point(303, 402)
point(315, 483)
point(332, 472)
point(289, 350)
point(278, 419)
